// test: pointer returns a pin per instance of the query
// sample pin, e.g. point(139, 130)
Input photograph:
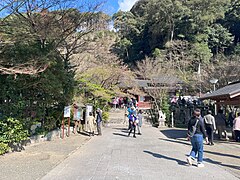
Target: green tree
point(219, 38)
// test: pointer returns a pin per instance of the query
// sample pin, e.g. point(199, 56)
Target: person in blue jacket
point(132, 121)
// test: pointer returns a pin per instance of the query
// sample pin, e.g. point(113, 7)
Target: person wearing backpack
point(196, 132)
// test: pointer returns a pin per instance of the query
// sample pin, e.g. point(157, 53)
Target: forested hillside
point(185, 34)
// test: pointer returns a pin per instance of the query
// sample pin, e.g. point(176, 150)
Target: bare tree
point(153, 70)
point(59, 24)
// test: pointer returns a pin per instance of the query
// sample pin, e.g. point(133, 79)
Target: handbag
point(194, 128)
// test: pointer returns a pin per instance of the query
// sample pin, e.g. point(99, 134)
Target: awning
point(229, 95)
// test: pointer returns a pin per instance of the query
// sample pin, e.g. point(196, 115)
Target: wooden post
point(63, 127)
point(68, 126)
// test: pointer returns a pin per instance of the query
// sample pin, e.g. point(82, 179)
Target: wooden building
point(228, 95)
point(168, 84)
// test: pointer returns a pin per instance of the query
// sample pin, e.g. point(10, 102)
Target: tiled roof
point(229, 91)
point(170, 80)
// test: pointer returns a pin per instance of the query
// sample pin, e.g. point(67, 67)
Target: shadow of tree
point(125, 130)
point(180, 162)
point(182, 133)
point(222, 154)
point(221, 164)
point(120, 129)
point(174, 133)
point(176, 141)
point(119, 134)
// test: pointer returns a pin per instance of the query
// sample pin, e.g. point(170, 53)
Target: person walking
point(236, 127)
point(139, 124)
point(210, 125)
point(91, 122)
point(132, 119)
point(221, 124)
point(131, 110)
point(99, 121)
point(196, 138)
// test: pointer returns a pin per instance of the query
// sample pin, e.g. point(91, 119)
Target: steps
point(117, 116)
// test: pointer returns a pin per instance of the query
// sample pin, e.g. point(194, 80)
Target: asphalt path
point(153, 155)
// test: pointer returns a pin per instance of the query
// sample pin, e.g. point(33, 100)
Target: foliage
point(184, 34)
point(165, 107)
point(201, 53)
point(105, 116)
point(156, 53)
point(219, 38)
point(11, 131)
point(3, 148)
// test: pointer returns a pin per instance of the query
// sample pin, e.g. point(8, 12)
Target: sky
point(112, 6)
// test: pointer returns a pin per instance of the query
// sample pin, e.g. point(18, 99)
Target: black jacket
point(200, 126)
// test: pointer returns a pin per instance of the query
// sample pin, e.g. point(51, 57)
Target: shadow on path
point(84, 133)
point(221, 164)
point(180, 162)
point(124, 130)
point(175, 141)
point(222, 154)
point(174, 133)
point(119, 134)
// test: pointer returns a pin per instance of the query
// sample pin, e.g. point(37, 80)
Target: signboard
point(67, 111)
point(77, 114)
point(89, 108)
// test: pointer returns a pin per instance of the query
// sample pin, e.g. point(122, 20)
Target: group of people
point(95, 123)
point(200, 128)
point(134, 121)
point(123, 102)
point(92, 123)
point(218, 123)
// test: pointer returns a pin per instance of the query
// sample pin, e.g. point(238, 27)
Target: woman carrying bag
point(196, 132)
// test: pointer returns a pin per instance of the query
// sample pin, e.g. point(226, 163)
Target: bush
point(3, 148)
point(11, 132)
point(105, 116)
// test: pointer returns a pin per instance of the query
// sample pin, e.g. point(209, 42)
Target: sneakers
point(189, 160)
point(200, 165)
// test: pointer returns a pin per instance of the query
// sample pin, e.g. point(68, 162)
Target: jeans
point(197, 147)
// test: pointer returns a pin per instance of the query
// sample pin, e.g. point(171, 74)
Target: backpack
point(192, 131)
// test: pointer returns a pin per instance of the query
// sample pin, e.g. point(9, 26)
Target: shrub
point(105, 116)
point(11, 132)
point(3, 148)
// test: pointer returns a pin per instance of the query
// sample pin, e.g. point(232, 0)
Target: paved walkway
point(150, 156)
point(38, 159)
